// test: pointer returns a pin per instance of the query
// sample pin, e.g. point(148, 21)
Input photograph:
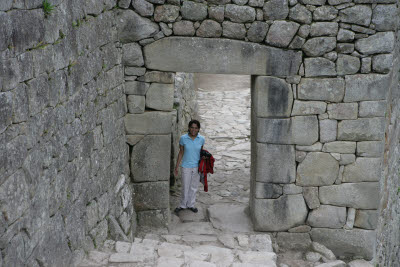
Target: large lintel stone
point(279, 214)
point(355, 195)
point(348, 243)
point(361, 87)
point(154, 122)
point(317, 169)
point(273, 97)
point(275, 163)
point(365, 129)
point(151, 196)
point(328, 89)
point(363, 170)
point(299, 130)
point(150, 158)
point(206, 55)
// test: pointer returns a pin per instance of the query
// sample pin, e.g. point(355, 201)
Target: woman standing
point(190, 145)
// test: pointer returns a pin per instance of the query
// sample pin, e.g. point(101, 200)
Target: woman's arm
point(178, 162)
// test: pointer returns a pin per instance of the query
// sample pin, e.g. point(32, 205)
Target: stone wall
point(64, 185)
point(322, 73)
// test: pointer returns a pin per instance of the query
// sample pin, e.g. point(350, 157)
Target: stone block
point(382, 63)
point(159, 77)
point(297, 43)
point(313, 148)
point(100, 233)
point(275, 163)
point(160, 96)
point(358, 14)
point(279, 214)
point(209, 28)
point(151, 196)
point(317, 169)
point(136, 88)
point(324, 29)
point(347, 48)
point(300, 156)
point(365, 129)
point(292, 189)
point(132, 55)
point(325, 13)
point(366, 64)
point(362, 87)
point(346, 64)
point(340, 147)
point(257, 31)
point(136, 103)
point(345, 35)
point(142, 7)
point(6, 108)
point(318, 46)
point(370, 149)
point(38, 94)
point(273, 97)
point(347, 243)
point(134, 71)
point(363, 170)
point(216, 13)
point(300, 130)
point(241, 14)
point(308, 107)
point(132, 27)
point(383, 17)
point(310, 195)
point(355, 195)
point(183, 28)
point(276, 9)
point(301, 14)
point(366, 219)
point(293, 241)
point(233, 30)
point(154, 122)
point(267, 190)
point(379, 43)
point(346, 159)
point(193, 11)
point(327, 89)
point(326, 216)
point(166, 13)
point(319, 67)
point(300, 229)
point(281, 33)
point(313, 2)
point(343, 111)
point(150, 160)
point(182, 54)
point(154, 218)
point(327, 130)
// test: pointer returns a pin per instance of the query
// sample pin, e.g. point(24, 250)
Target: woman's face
point(193, 129)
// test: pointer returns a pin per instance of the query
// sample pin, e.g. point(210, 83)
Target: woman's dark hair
point(194, 122)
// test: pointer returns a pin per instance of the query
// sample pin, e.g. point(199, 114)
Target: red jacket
point(206, 166)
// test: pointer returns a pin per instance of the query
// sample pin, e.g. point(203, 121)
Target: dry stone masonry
point(91, 100)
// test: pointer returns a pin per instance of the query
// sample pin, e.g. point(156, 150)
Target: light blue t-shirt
point(191, 155)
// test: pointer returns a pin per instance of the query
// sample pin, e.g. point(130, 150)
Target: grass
point(47, 8)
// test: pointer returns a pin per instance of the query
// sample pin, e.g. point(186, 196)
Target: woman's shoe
point(195, 210)
point(177, 210)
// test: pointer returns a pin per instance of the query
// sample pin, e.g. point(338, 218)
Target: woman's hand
point(176, 172)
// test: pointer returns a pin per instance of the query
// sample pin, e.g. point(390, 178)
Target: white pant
point(190, 182)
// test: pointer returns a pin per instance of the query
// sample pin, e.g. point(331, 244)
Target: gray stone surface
point(154, 218)
point(346, 242)
point(183, 28)
point(160, 96)
point(159, 77)
point(340, 147)
point(279, 214)
point(345, 35)
point(276, 9)
point(274, 97)
point(154, 122)
point(326, 216)
point(308, 107)
point(240, 14)
point(382, 17)
point(281, 33)
point(257, 31)
point(132, 27)
point(363, 170)
point(181, 54)
point(310, 195)
point(293, 241)
point(317, 169)
point(323, 13)
point(358, 14)
point(324, 29)
point(319, 67)
point(366, 219)
point(381, 42)
point(346, 64)
point(323, 250)
point(136, 88)
point(143, 7)
point(193, 11)
point(365, 129)
point(230, 217)
point(134, 71)
point(151, 196)
point(382, 63)
point(327, 130)
point(356, 195)
point(216, 13)
point(313, 148)
point(135, 103)
point(275, 163)
point(329, 89)
point(166, 13)
point(318, 46)
point(370, 149)
point(132, 55)
point(343, 111)
point(301, 14)
point(362, 87)
point(233, 30)
point(347, 48)
point(292, 189)
point(209, 28)
point(267, 190)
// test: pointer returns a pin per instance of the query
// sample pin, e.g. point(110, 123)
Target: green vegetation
point(40, 45)
point(47, 8)
point(71, 64)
